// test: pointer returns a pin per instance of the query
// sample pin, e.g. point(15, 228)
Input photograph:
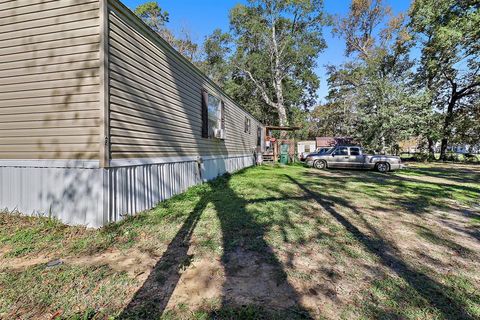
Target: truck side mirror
point(333, 154)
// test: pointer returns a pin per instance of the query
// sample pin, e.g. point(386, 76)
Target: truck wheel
point(382, 167)
point(320, 164)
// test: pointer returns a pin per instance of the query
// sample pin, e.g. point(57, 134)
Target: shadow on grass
point(255, 280)
point(413, 195)
point(472, 232)
point(432, 237)
point(430, 290)
point(249, 263)
point(459, 174)
point(150, 301)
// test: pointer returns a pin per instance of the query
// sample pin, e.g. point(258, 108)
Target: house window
point(248, 128)
point(213, 116)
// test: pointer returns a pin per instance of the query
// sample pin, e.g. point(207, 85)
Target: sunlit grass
point(281, 213)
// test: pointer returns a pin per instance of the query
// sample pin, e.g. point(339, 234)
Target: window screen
point(247, 125)
point(213, 113)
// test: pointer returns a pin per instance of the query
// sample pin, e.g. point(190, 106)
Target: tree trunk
point(431, 149)
point(283, 120)
point(443, 149)
point(277, 80)
point(282, 111)
point(447, 127)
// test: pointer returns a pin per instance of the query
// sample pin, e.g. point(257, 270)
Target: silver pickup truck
point(352, 157)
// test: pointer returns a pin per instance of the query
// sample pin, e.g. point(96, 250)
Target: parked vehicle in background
point(322, 150)
point(354, 158)
point(318, 151)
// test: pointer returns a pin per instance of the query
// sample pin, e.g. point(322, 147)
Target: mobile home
point(305, 147)
point(101, 118)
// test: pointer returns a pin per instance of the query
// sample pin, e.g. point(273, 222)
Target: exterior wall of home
point(49, 79)
point(156, 98)
point(303, 145)
point(155, 127)
point(83, 194)
point(99, 118)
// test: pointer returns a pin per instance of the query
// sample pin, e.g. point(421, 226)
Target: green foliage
point(157, 18)
point(271, 68)
point(216, 49)
point(371, 97)
point(151, 13)
point(448, 31)
point(467, 124)
point(381, 96)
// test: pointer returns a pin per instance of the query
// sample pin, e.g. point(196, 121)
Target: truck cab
point(346, 157)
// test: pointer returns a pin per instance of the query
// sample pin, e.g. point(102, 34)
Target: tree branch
point(262, 90)
point(468, 90)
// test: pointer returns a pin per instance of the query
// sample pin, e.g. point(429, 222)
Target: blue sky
point(201, 17)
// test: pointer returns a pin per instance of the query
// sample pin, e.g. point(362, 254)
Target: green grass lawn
point(268, 242)
point(452, 157)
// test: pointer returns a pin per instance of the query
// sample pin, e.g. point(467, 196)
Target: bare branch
point(261, 88)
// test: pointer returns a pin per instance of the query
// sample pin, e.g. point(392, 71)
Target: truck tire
point(382, 167)
point(320, 164)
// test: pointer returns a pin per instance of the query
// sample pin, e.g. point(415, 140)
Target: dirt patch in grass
point(268, 242)
point(250, 281)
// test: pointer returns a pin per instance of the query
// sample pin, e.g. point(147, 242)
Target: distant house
point(410, 145)
point(323, 142)
point(413, 145)
point(101, 118)
point(463, 148)
point(305, 147)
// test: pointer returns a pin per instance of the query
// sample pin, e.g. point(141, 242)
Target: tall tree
point(358, 28)
point(449, 31)
point(277, 43)
point(151, 13)
point(467, 123)
point(157, 18)
point(334, 118)
point(372, 90)
point(217, 50)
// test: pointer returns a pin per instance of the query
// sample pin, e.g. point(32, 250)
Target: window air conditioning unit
point(219, 134)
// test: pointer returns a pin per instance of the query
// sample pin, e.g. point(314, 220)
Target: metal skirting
point(138, 188)
point(95, 196)
point(73, 195)
point(133, 189)
point(213, 168)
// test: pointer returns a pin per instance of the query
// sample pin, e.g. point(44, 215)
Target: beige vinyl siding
point(155, 98)
point(49, 79)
